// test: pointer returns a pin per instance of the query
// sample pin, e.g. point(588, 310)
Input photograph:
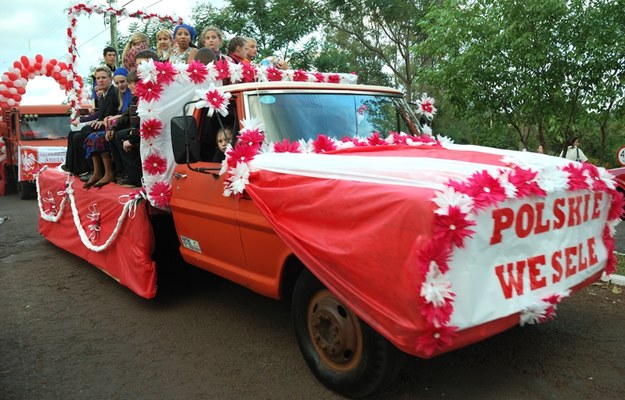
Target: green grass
point(620, 265)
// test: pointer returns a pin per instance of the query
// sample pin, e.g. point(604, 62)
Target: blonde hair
point(163, 32)
point(208, 29)
point(135, 38)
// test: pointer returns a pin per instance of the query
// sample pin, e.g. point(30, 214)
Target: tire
point(26, 190)
point(344, 353)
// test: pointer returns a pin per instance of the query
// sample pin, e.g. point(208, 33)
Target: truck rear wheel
point(343, 352)
point(26, 190)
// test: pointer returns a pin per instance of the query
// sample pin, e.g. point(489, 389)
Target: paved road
point(68, 331)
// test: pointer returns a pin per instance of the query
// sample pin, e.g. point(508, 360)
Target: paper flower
point(453, 227)
point(239, 178)
point(286, 146)
point(160, 194)
point(323, 144)
point(450, 197)
point(251, 137)
point(150, 128)
point(214, 99)
point(376, 140)
point(154, 164)
point(148, 91)
point(197, 72)
point(147, 71)
point(435, 338)
point(274, 74)
point(525, 183)
point(426, 106)
point(485, 189)
point(165, 72)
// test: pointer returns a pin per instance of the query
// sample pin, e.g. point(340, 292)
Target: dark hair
point(108, 49)
point(205, 55)
point(132, 77)
point(147, 54)
point(237, 41)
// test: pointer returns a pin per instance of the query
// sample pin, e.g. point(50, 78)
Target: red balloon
point(56, 76)
point(11, 75)
point(17, 64)
point(53, 62)
point(25, 61)
point(39, 58)
point(49, 66)
point(21, 90)
point(24, 72)
point(62, 65)
point(37, 65)
point(17, 97)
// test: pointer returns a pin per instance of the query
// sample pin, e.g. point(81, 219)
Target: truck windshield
point(306, 115)
point(36, 127)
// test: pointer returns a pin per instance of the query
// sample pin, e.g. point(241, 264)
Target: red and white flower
point(214, 99)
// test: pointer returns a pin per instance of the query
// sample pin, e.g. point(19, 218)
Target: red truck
point(32, 136)
point(387, 241)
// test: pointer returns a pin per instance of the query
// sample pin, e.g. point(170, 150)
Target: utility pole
point(113, 27)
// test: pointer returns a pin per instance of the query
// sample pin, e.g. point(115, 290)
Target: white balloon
point(56, 68)
point(11, 102)
point(12, 90)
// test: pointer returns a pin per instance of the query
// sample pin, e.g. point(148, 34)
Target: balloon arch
point(13, 82)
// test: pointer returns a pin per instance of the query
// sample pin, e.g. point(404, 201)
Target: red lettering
point(503, 220)
point(524, 221)
point(536, 280)
point(586, 203)
point(557, 267)
point(558, 213)
point(582, 261)
point(574, 216)
point(569, 252)
point(596, 211)
point(592, 256)
point(541, 226)
point(513, 282)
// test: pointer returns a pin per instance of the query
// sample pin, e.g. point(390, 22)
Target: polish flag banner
point(436, 245)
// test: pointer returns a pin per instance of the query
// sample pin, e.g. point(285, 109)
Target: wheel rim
point(334, 331)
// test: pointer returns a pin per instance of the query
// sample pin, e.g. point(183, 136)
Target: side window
point(210, 126)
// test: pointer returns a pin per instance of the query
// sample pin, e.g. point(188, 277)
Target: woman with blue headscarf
point(184, 35)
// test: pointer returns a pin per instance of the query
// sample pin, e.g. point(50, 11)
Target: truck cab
point(246, 249)
point(34, 136)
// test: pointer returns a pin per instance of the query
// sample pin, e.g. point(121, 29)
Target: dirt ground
point(68, 331)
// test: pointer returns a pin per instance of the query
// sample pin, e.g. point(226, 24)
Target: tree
point(543, 67)
point(386, 29)
point(277, 25)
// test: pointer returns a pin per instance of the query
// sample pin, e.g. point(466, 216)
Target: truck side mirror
point(184, 140)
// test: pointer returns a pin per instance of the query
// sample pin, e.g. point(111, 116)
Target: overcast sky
point(30, 27)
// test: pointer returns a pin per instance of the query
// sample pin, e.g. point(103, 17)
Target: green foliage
point(277, 25)
point(383, 30)
point(546, 68)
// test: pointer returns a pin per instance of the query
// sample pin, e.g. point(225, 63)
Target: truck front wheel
point(343, 352)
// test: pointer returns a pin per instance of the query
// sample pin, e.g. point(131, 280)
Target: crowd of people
point(103, 146)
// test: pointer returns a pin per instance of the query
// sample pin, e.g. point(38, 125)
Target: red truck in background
point(31, 136)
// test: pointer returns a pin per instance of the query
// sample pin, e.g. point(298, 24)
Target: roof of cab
point(284, 85)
